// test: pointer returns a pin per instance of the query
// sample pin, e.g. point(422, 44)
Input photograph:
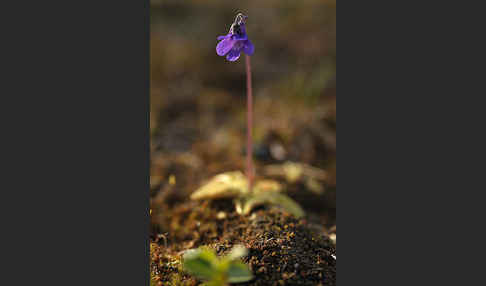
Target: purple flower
point(236, 41)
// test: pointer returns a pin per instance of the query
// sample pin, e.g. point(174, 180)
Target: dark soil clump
point(282, 249)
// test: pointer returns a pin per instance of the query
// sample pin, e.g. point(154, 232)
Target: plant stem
point(249, 117)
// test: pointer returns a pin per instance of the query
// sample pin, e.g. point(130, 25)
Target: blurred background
point(198, 99)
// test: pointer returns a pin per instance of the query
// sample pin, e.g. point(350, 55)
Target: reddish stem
point(249, 139)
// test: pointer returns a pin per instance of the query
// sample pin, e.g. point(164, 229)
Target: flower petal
point(223, 37)
point(233, 55)
point(224, 46)
point(248, 48)
point(241, 37)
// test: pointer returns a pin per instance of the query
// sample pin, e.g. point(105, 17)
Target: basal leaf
point(273, 198)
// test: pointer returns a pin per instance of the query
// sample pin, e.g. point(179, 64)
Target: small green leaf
point(200, 263)
point(239, 272)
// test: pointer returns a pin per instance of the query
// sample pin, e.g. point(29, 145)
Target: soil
point(282, 249)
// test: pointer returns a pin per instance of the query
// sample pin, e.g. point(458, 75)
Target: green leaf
point(215, 282)
point(224, 185)
point(273, 198)
point(239, 272)
point(200, 263)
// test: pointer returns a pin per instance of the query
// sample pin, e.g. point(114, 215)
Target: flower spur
point(236, 41)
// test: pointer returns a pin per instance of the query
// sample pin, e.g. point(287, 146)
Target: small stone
point(221, 215)
point(172, 180)
point(278, 151)
point(332, 236)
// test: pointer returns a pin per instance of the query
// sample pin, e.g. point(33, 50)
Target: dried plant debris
point(235, 185)
point(294, 172)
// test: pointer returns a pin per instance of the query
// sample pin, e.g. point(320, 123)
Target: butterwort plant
point(231, 46)
point(246, 193)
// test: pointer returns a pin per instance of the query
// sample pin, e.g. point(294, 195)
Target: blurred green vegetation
point(204, 264)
